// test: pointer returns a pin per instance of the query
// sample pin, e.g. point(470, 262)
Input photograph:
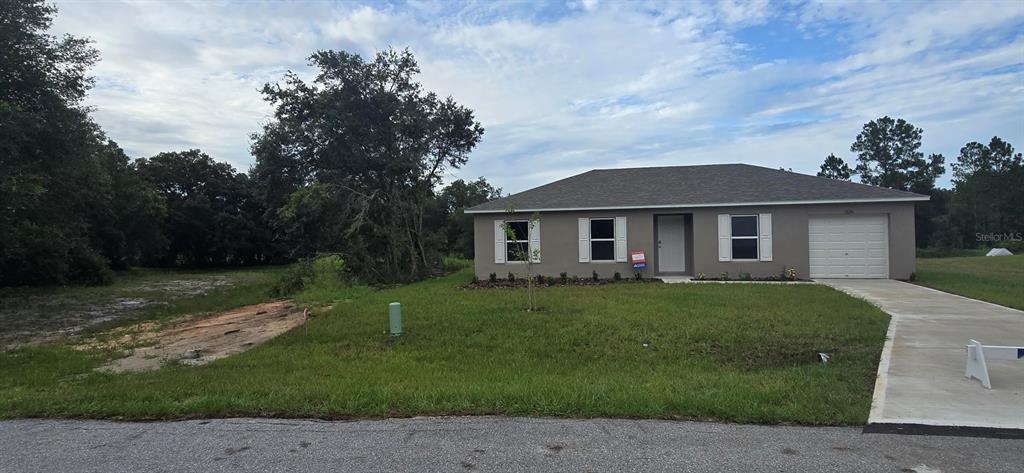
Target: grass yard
point(998, 279)
point(744, 353)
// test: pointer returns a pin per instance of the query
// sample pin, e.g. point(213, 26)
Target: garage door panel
point(849, 246)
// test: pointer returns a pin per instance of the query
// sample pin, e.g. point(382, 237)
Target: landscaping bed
point(741, 353)
point(554, 282)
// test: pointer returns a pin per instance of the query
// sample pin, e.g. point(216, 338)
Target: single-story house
point(686, 220)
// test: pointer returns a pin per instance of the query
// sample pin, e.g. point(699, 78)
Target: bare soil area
point(40, 314)
point(200, 341)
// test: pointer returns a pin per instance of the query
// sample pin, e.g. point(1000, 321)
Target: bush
point(745, 277)
point(594, 276)
point(617, 276)
point(565, 277)
point(540, 279)
point(724, 276)
point(87, 266)
point(701, 276)
point(451, 264)
point(1015, 247)
point(329, 271)
point(293, 279)
point(511, 277)
point(322, 272)
point(493, 278)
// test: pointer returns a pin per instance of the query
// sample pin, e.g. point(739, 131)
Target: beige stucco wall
point(559, 240)
point(559, 244)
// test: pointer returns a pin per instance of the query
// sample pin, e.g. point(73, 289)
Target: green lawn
point(745, 353)
point(998, 279)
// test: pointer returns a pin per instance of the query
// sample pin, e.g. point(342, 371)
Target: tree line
point(983, 207)
point(352, 164)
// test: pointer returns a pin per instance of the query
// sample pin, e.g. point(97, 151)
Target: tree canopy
point(988, 191)
point(458, 227)
point(73, 205)
point(212, 216)
point(59, 175)
point(351, 161)
point(835, 168)
point(888, 155)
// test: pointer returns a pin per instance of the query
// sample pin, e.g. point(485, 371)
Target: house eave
point(724, 204)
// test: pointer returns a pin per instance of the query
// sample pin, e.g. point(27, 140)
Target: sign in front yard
point(977, 353)
point(639, 259)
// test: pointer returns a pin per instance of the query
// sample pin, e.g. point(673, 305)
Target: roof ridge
point(691, 185)
point(672, 167)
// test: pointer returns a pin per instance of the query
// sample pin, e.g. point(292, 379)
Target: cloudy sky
point(564, 87)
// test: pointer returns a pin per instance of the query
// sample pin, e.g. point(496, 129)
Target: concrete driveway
point(921, 374)
point(476, 444)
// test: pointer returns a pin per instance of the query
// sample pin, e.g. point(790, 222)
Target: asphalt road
point(483, 444)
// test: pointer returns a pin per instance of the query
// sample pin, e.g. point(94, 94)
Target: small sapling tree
point(519, 248)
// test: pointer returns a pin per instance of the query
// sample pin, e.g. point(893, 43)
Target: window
point(744, 237)
point(517, 246)
point(602, 239)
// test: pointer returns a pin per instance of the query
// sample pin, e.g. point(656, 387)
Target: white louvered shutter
point(724, 237)
point(620, 240)
point(764, 225)
point(535, 241)
point(584, 226)
point(499, 241)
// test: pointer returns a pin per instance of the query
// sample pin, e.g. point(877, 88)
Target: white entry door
point(849, 246)
point(671, 244)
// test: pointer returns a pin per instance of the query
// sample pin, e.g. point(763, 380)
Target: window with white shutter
point(602, 239)
point(517, 240)
point(743, 230)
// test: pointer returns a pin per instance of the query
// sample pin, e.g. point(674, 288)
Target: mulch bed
point(553, 282)
point(767, 279)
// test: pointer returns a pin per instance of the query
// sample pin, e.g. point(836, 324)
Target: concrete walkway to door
point(921, 374)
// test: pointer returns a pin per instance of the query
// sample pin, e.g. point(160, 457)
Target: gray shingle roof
point(688, 186)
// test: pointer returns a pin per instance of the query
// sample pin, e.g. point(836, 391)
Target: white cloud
point(597, 85)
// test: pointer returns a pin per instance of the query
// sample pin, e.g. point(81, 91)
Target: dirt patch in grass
point(200, 341)
point(38, 316)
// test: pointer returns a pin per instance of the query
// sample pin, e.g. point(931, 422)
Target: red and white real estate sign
point(638, 258)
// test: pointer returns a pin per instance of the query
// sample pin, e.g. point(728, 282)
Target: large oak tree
point(350, 161)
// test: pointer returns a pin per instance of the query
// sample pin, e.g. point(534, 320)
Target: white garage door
point(849, 246)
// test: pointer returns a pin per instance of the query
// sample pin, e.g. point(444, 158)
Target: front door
point(671, 244)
